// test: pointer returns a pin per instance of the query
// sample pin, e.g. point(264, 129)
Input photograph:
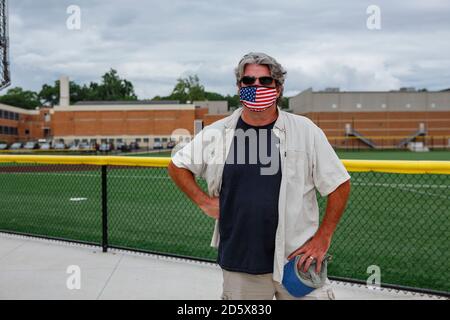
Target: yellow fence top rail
point(91, 160)
point(398, 166)
point(388, 166)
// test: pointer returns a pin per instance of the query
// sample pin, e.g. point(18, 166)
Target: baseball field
point(397, 222)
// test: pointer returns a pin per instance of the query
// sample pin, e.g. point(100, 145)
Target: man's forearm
point(185, 180)
point(336, 203)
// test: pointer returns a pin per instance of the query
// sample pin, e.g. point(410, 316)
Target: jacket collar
point(234, 117)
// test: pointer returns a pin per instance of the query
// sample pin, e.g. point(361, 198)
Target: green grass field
point(398, 222)
point(439, 155)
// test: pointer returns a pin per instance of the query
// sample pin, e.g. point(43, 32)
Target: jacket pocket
point(296, 165)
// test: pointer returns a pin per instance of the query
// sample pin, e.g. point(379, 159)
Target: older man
point(263, 167)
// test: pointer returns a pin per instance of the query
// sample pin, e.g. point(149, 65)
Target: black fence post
point(104, 209)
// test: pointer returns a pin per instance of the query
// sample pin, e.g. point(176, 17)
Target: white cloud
point(152, 43)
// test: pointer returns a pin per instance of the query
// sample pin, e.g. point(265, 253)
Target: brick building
point(145, 122)
point(385, 119)
point(17, 124)
point(363, 119)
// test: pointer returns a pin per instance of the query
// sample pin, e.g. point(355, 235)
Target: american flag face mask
point(257, 98)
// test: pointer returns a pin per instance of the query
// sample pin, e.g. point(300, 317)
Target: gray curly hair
point(276, 70)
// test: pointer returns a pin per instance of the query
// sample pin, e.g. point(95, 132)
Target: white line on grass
point(78, 199)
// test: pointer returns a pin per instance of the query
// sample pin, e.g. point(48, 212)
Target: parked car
point(45, 146)
point(157, 145)
point(171, 144)
point(74, 147)
point(85, 146)
point(105, 147)
point(122, 146)
point(30, 145)
point(134, 145)
point(59, 146)
point(42, 141)
point(3, 146)
point(16, 146)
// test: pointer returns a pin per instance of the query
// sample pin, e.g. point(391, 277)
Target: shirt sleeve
point(190, 156)
point(328, 170)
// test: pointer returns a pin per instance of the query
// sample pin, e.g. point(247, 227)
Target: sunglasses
point(265, 81)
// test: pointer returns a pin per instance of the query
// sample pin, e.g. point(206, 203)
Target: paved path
point(33, 268)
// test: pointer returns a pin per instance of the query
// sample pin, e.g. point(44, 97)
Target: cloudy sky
point(154, 42)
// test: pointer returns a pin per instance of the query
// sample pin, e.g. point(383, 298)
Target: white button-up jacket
point(308, 162)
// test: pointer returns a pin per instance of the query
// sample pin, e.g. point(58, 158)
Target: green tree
point(213, 96)
point(190, 89)
point(284, 103)
point(78, 93)
point(233, 101)
point(18, 97)
point(187, 89)
point(49, 95)
point(113, 88)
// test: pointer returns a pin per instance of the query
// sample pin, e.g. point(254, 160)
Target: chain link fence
point(388, 142)
point(399, 223)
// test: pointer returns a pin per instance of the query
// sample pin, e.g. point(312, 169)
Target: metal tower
point(5, 79)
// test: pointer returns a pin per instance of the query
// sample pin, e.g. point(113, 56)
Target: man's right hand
point(210, 207)
point(185, 180)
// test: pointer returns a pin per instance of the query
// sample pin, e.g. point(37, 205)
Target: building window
point(84, 140)
point(145, 140)
point(27, 131)
point(156, 139)
point(6, 114)
point(1, 129)
point(1, 114)
point(119, 140)
point(77, 141)
point(93, 140)
point(164, 139)
point(16, 116)
point(103, 140)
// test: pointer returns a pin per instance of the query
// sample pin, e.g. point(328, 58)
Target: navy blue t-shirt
point(249, 200)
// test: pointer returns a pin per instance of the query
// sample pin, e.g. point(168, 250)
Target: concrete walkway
point(33, 268)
